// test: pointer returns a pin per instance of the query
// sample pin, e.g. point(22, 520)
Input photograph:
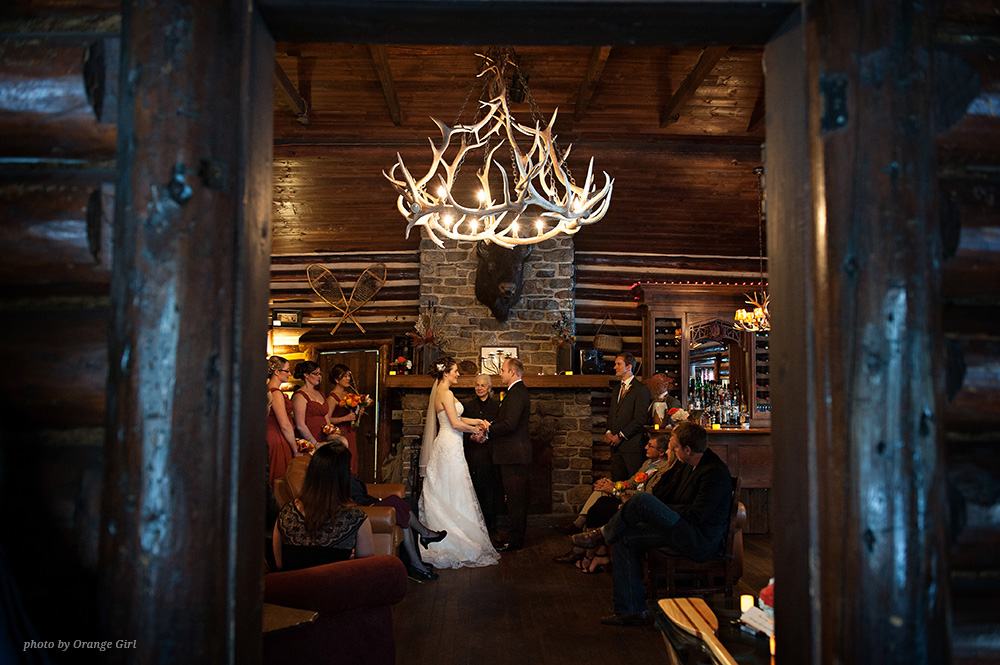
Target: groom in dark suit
point(511, 444)
point(627, 417)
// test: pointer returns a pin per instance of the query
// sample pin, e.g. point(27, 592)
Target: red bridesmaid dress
point(348, 432)
point(279, 454)
point(315, 417)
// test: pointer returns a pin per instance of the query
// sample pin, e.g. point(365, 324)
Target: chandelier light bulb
point(540, 226)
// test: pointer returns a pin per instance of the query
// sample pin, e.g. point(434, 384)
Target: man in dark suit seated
point(688, 510)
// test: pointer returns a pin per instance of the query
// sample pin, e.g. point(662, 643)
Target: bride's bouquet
point(356, 402)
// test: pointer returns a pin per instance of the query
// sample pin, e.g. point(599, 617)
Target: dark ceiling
point(683, 185)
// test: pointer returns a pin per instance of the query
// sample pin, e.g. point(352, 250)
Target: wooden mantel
point(574, 381)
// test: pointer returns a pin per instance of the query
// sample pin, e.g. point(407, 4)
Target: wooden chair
point(719, 574)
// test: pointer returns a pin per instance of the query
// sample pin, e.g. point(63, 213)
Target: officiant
point(485, 474)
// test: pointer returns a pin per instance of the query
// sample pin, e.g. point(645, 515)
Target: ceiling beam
point(757, 115)
point(710, 55)
point(553, 22)
point(381, 61)
point(292, 96)
point(595, 67)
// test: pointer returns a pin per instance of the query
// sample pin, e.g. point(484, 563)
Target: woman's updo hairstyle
point(303, 368)
point(338, 371)
point(274, 363)
point(442, 366)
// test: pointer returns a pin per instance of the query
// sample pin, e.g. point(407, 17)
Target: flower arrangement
point(305, 446)
point(563, 328)
point(636, 482)
point(425, 334)
point(357, 402)
point(330, 429)
point(677, 415)
point(402, 364)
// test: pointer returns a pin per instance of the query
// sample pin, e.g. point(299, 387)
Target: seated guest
point(605, 501)
point(688, 510)
point(406, 519)
point(323, 525)
point(661, 402)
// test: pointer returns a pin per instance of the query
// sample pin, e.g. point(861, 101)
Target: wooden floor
point(529, 610)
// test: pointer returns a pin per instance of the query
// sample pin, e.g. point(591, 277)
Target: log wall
point(968, 163)
point(57, 160)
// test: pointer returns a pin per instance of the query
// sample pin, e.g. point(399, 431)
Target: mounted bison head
point(500, 276)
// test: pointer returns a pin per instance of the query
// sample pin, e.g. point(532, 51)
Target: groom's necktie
point(621, 393)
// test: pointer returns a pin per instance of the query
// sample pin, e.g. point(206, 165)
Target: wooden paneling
point(674, 186)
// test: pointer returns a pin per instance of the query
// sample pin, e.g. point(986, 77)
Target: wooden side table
point(278, 617)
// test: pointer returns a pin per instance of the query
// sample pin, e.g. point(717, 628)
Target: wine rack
point(762, 381)
point(667, 335)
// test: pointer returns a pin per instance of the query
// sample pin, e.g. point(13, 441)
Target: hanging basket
point(607, 343)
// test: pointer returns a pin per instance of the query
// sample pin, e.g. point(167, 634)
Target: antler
point(541, 181)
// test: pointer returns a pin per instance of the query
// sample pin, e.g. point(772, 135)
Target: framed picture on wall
point(491, 358)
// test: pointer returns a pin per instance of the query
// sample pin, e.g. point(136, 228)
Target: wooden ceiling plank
point(757, 116)
point(709, 57)
point(381, 61)
point(595, 67)
point(292, 95)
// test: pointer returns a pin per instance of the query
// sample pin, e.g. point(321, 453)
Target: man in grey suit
point(627, 417)
point(511, 444)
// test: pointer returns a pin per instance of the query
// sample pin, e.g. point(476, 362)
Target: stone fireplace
point(562, 423)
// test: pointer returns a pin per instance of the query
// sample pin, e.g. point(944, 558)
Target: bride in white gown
point(448, 501)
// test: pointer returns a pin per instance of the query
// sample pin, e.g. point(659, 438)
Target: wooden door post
point(857, 372)
point(183, 502)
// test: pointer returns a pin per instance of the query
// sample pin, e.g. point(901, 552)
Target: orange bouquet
point(305, 446)
point(356, 402)
point(330, 429)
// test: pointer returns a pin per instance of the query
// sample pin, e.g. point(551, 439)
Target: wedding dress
point(448, 501)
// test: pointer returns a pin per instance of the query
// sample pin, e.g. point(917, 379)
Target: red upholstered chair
point(354, 599)
point(684, 576)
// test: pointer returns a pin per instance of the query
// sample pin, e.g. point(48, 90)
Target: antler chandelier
point(758, 319)
point(538, 200)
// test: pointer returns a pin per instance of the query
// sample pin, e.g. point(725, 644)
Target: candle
point(569, 373)
point(392, 372)
point(716, 426)
point(772, 645)
point(746, 602)
point(656, 425)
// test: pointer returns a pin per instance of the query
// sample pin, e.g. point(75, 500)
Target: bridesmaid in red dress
point(309, 405)
point(280, 435)
point(343, 417)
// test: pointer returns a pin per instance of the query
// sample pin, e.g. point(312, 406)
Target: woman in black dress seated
point(323, 525)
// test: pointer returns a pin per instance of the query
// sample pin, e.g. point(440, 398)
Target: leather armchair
point(354, 599)
point(386, 535)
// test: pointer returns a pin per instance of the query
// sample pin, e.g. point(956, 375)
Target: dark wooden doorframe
point(859, 323)
point(366, 366)
point(842, 319)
